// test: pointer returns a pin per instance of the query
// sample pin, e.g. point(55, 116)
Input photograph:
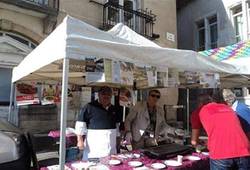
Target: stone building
point(25, 23)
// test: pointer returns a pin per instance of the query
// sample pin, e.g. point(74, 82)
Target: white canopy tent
point(73, 40)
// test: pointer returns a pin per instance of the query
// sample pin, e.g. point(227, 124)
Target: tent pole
point(64, 99)
point(123, 113)
point(10, 117)
point(188, 110)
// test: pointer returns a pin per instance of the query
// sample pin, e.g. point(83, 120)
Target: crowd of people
point(225, 120)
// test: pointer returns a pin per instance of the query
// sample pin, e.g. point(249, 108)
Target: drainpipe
point(121, 3)
point(245, 20)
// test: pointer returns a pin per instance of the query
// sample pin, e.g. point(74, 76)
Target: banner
point(26, 94)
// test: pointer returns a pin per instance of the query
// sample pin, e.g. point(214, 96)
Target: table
point(202, 164)
point(71, 139)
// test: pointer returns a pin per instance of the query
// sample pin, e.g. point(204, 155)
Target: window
point(238, 22)
point(5, 84)
point(20, 39)
point(213, 31)
point(113, 12)
point(207, 33)
point(128, 15)
point(201, 35)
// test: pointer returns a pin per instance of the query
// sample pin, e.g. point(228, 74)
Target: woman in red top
point(195, 119)
point(228, 145)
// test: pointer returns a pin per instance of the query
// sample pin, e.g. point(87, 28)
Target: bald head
point(228, 96)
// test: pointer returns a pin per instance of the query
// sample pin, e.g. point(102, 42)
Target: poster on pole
point(27, 93)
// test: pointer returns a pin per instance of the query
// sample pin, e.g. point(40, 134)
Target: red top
point(226, 139)
point(195, 119)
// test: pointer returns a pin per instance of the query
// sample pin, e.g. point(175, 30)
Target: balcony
point(141, 21)
point(49, 7)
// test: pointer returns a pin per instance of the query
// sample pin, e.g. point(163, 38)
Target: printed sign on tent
point(116, 74)
point(51, 93)
point(191, 77)
point(94, 70)
point(108, 70)
point(140, 76)
point(210, 80)
point(126, 73)
point(162, 78)
point(173, 78)
point(26, 94)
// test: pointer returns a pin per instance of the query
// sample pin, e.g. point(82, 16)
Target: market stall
point(73, 42)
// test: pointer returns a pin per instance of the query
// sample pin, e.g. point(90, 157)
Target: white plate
point(82, 165)
point(192, 158)
point(205, 153)
point(55, 167)
point(135, 163)
point(142, 168)
point(158, 166)
point(136, 155)
point(172, 163)
point(114, 162)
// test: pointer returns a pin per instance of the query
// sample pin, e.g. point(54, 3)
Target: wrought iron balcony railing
point(141, 21)
point(44, 6)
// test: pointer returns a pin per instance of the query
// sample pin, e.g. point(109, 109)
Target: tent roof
point(237, 54)
point(76, 40)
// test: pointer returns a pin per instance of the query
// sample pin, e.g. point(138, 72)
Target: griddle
point(166, 151)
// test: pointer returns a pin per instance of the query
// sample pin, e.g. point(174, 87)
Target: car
point(15, 148)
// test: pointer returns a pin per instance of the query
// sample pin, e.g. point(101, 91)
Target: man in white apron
point(97, 127)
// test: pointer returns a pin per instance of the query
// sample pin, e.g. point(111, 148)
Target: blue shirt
point(243, 113)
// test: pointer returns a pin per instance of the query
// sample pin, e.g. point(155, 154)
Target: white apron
point(99, 143)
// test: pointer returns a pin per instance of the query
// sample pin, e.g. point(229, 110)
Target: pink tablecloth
point(71, 139)
point(202, 164)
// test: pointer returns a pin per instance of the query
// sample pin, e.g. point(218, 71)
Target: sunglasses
point(157, 96)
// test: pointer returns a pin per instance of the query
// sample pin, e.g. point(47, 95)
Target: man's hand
point(128, 137)
point(80, 142)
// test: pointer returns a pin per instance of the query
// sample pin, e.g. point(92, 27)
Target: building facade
point(25, 23)
point(215, 23)
point(208, 24)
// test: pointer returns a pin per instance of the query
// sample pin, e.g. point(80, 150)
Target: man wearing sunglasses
point(97, 127)
point(145, 124)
